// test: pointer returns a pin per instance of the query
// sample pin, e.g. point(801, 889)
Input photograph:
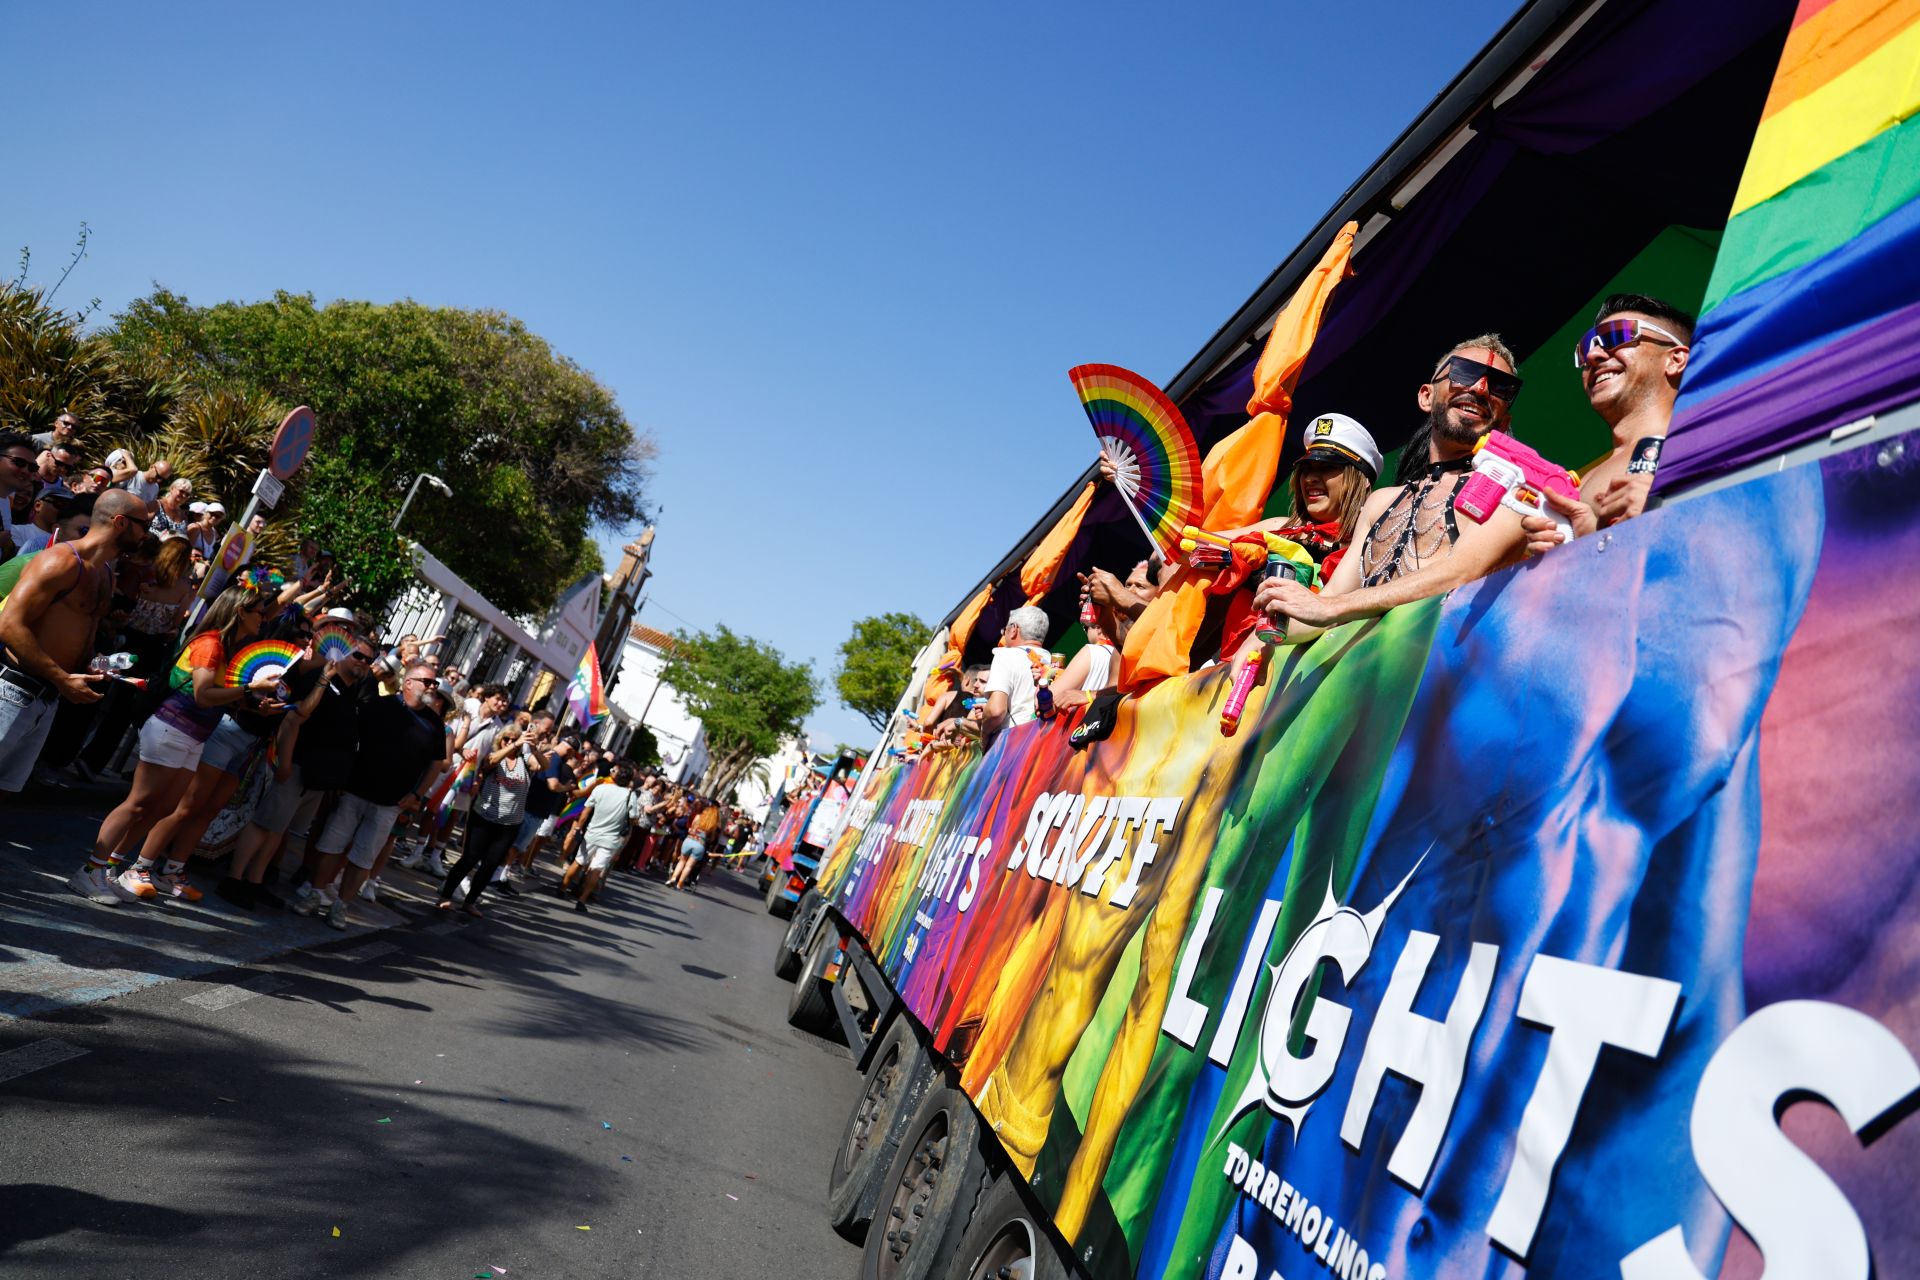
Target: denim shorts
point(26, 717)
point(231, 749)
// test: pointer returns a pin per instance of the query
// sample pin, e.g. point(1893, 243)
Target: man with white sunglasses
point(1630, 365)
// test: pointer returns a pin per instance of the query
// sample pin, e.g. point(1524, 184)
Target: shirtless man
point(1410, 542)
point(48, 630)
point(1630, 365)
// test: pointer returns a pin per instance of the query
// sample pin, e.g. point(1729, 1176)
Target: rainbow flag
point(579, 804)
point(457, 784)
point(1812, 317)
point(584, 694)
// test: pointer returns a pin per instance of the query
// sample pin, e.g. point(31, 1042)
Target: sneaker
point(370, 891)
point(173, 886)
point(411, 860)
point(582, 908)
point(435, 867)
point(337, 914)
point(308, 901)
point(237, 892)
point(95, 885)
point(506, 887)
point(134, 883)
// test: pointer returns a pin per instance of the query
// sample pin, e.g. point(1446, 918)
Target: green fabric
point(1553, 414)
point(10, 573)
point(1821, 212)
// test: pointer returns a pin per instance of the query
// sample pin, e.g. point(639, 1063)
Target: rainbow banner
point(578, 805)
point(1812, 317)
point(584, 694)
point(1477, 952)
point(454, 785)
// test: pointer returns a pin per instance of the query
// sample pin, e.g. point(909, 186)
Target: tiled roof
point(652, 638)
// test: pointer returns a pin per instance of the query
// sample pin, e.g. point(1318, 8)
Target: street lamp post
point(435, 481)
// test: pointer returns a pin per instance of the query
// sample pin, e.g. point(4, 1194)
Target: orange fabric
point(1824, 46)
point(1043, 562)
point(1239, 472)
point(947, 675)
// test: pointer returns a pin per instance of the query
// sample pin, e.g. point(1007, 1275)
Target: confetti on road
point(384, 1120)
point(336, 1233)
point(583, 1228)
point(605, 1125)
point(628, 1159)
point(732, 1196)
point(229, 1099)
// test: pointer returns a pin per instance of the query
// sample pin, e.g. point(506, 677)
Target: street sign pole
point(284, 456)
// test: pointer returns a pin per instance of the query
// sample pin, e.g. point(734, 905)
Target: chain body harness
point(1417, 528)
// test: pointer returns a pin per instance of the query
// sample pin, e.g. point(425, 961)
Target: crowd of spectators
point(1409, 542)
point(114, 662)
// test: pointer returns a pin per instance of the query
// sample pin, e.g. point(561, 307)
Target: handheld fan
point(333, 640)
point(260, 658)
point(1156, 460)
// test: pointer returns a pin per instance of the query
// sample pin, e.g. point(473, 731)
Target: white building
point(640, 697)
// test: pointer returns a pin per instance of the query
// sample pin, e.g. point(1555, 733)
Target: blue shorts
point(231, 749)
point(693, 849)
point(529, 828)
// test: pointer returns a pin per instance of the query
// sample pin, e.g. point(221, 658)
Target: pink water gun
point(1507, 473)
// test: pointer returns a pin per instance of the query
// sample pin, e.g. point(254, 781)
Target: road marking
point(372, 951)
point(227, 996)
point(15, 1063)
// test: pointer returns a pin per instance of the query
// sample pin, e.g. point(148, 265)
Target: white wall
point(683, 740)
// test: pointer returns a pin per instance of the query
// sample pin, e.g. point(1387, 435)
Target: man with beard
point(48, 630)
point(1411, 543)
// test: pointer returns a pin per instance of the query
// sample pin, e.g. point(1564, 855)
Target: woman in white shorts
point(170, 745)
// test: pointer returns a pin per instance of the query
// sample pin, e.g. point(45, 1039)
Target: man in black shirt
point(315, 755)
point(401, 751)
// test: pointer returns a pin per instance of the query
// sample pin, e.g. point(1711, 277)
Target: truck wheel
point(928, 1195)
point(897, 1076)
point(792, 947)
point(810, 1007)
point(777, 905)
point(1006, 1239)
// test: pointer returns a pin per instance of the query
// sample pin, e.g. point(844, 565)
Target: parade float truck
point(1560, 926)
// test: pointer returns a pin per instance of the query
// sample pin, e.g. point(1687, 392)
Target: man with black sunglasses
point(1410, 543)
point(16, 477)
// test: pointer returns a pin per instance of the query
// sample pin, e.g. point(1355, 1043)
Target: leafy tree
point(748, 697)
point(535, 449)
point(876, 662)
point(643, 748)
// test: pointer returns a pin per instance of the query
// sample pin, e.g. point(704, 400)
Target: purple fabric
point(1627, 63)
point(1731, 410)
point(1871, 369)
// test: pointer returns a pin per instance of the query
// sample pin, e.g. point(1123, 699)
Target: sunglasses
point(427, 682)
point(64, 468)
point(1463, 372)
point(358, 656)
point(1611, 335)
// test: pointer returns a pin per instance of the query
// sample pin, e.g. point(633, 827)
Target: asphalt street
point(541, 1093)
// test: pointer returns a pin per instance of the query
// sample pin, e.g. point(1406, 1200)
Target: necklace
point(1401, 541)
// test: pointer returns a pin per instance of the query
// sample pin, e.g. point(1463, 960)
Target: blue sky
point(837, 259)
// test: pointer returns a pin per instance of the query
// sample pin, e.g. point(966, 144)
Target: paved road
point(454, 1100)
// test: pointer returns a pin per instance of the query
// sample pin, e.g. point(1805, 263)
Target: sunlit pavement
point(540, 1093)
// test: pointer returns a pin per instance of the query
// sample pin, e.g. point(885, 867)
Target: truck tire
point(929, 1192)
point(898, 1074)
point(777, 905)
point(810, 1007)
point(791, 949)
point(1006, 1238)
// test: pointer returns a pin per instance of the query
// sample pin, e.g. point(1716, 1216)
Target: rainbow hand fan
point(260, 658)
point(333, 640)
point(1155, 457)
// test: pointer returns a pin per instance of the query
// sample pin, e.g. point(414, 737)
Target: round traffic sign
point(290, 443)
point(234, 553)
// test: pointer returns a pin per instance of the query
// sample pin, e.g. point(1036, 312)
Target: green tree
point(748, 697)
point(876, 662)
point(535, 449)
